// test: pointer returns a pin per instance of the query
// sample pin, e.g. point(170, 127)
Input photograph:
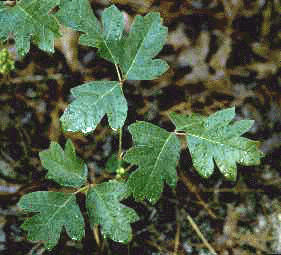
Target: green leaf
point(156, 152)
point(63, 166)
point(56, 210)
point(113, 28)
point(134, 52)
point(112, 164)
point(78, 15)
point(93, 101)
point(29, 18)
point(216, 138)
point(113, 23)
point(104, 208)
point(144, 42)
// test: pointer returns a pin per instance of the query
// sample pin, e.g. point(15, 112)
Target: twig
point(177, 238)
point(198, 232)
point(10, 3)
point(96, 234)
point(36, 249)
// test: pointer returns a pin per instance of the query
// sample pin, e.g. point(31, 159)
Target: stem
point(83, 189)
point(177, 238)
point(119, 75)
point(119, 157)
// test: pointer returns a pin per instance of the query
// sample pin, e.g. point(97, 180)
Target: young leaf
point(144, 42)
point(63, 166)
point(93, 101)
point(104, 208)
point(56, 210)
point(216, 138)
point(28, 18)
point(156, 152)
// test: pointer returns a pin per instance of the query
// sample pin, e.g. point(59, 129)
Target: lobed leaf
point(113, 28)
point(156, 153)
point(56, 210)
point(145, 40)
point(29, 18)
point(93, 101)
point(104, 208)
point(215, 138)
point(134, 52)
point(63, 166)
point(78, 15)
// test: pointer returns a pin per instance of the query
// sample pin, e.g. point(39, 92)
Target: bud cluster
point(6, 62)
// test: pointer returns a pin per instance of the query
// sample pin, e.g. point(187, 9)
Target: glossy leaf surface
point(145, 40)
point(93, 101)
point(78, 15)
point(104, 208)
point(55, 211)
point(216, 139)
point(64, 167)
point(156, 153)
point(29, 18)
point(134, 52)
